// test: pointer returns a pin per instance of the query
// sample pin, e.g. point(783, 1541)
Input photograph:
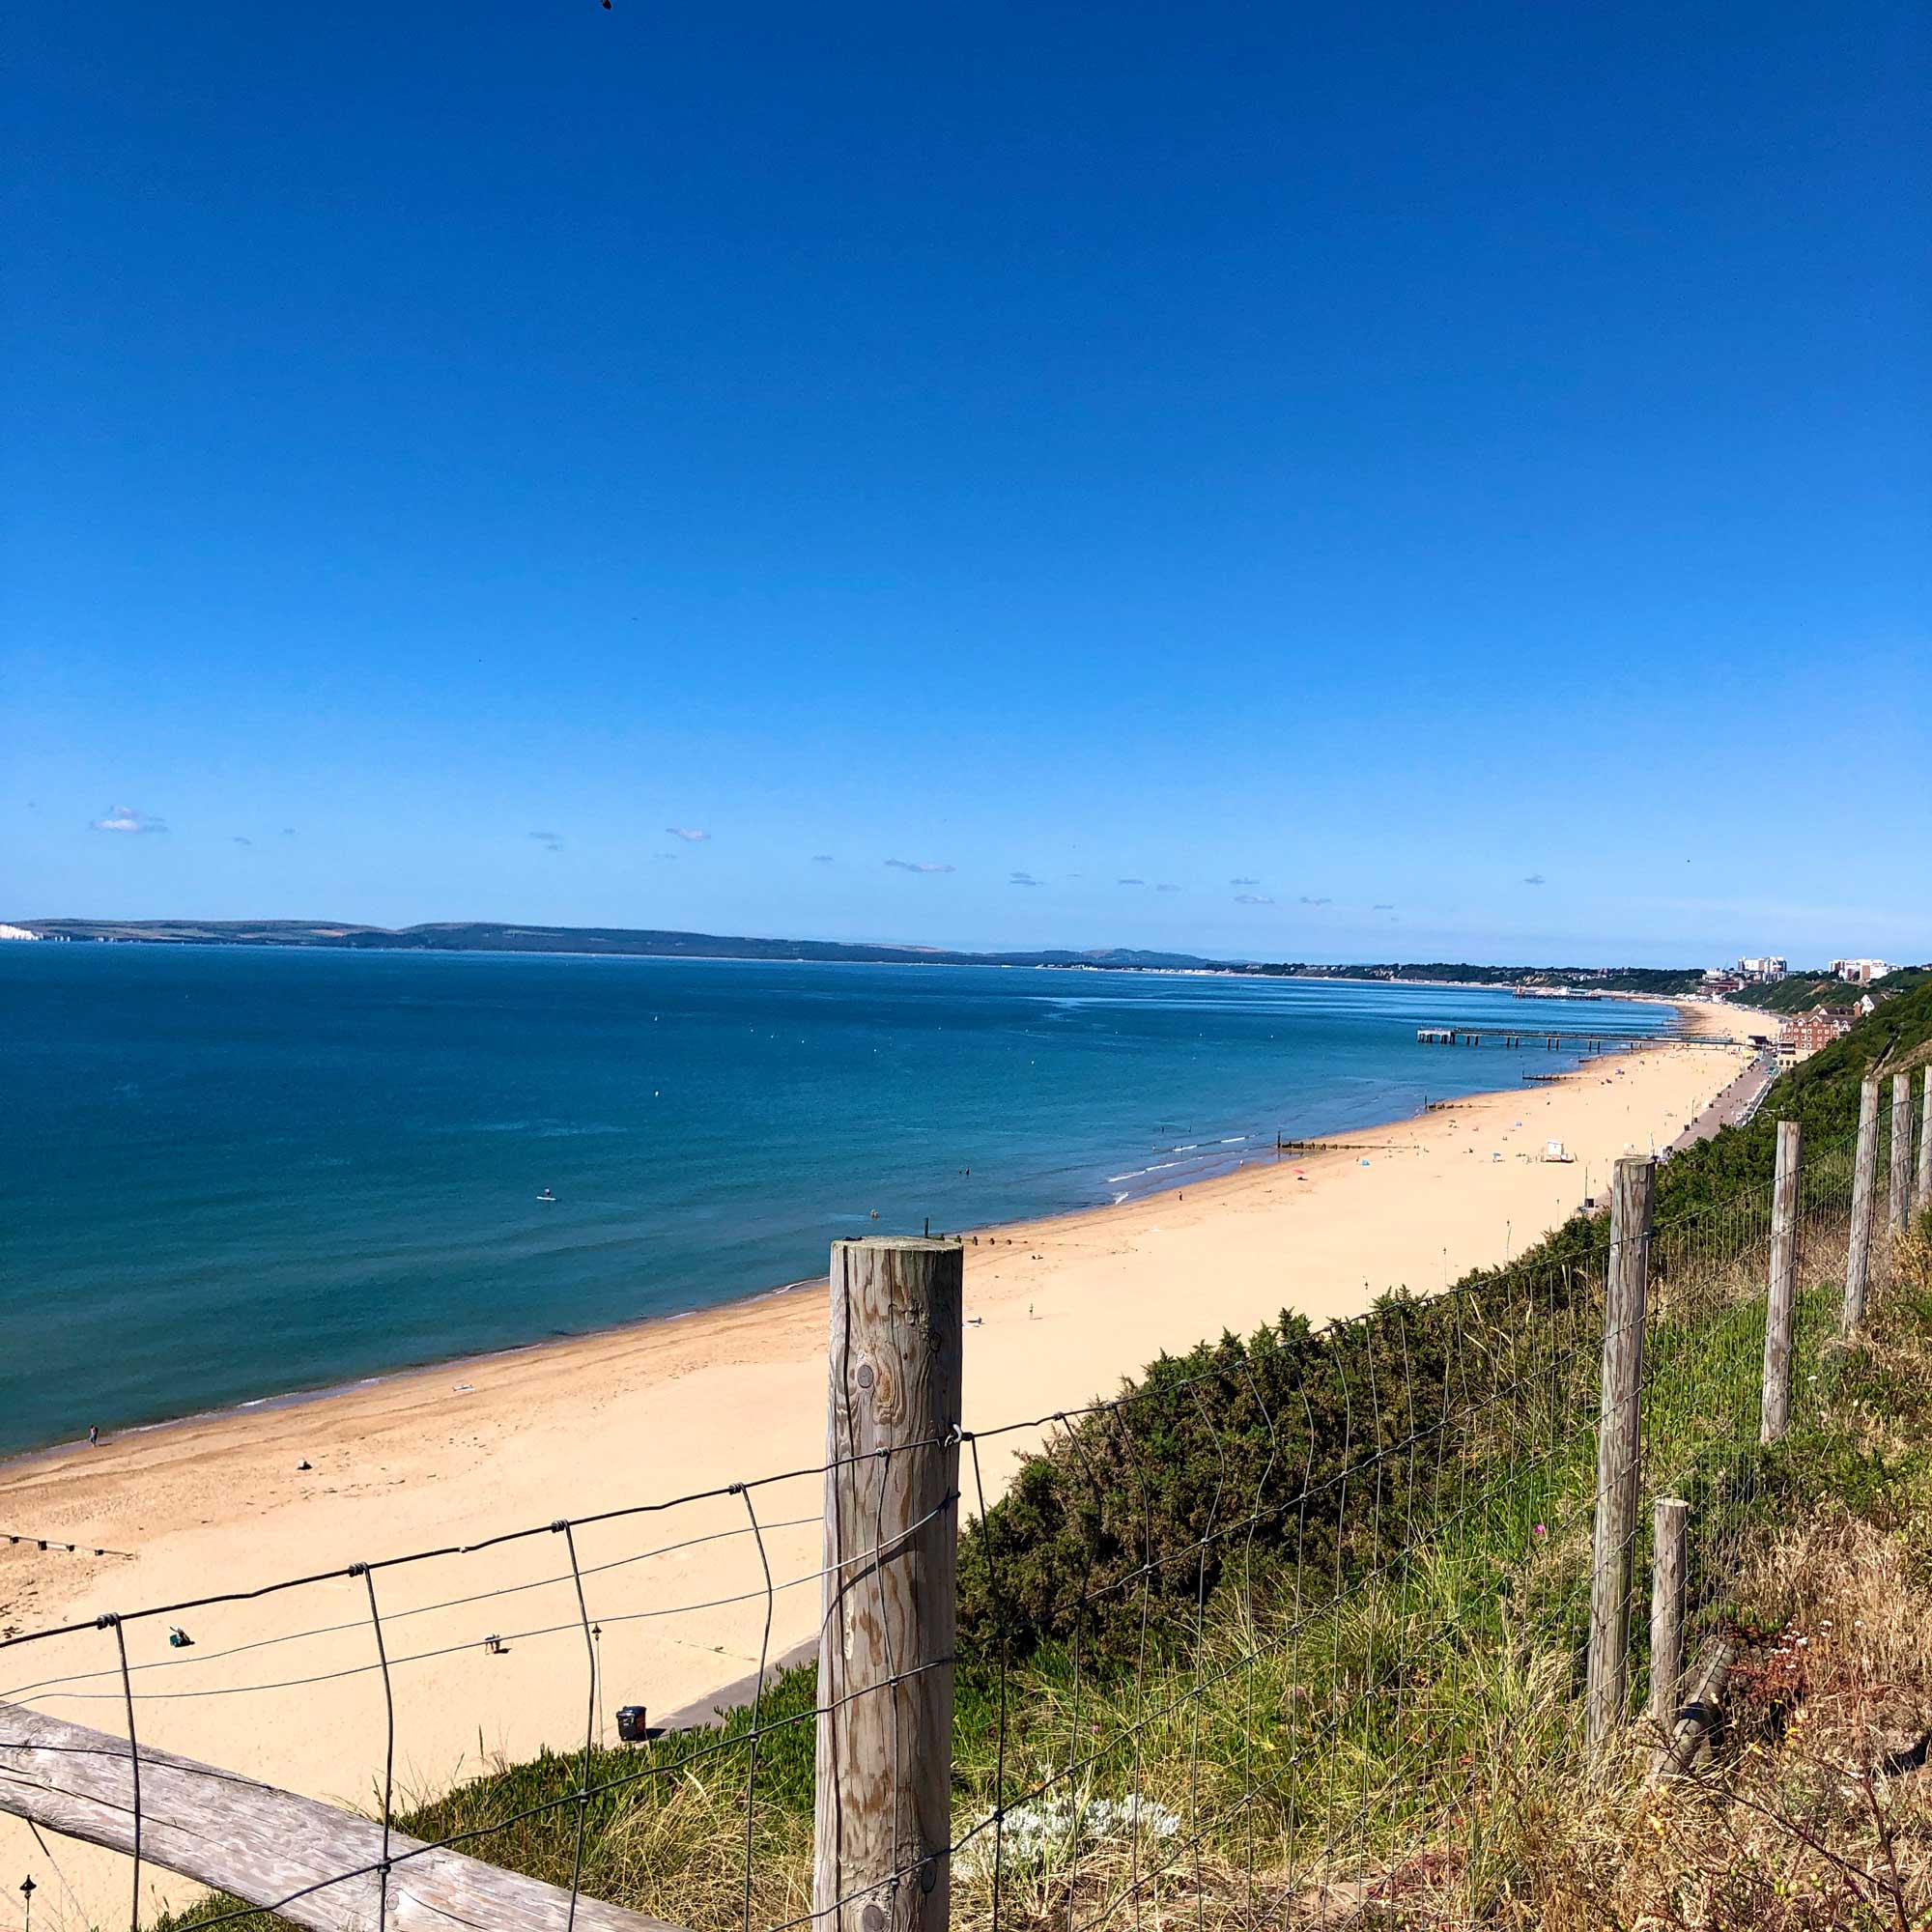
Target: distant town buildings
point(1765, 972)
point(1801, 1038)
point(17, 932)
point(1860, 972)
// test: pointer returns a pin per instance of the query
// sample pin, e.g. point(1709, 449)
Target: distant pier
point(1555, 1040)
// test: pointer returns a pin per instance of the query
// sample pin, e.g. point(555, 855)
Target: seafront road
point(1733, 1104)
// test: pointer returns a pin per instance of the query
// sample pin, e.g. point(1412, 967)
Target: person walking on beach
point(94, 1435)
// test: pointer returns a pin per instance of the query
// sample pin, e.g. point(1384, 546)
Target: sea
point(232, 1174)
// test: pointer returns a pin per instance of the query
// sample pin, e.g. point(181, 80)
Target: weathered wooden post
point(1899, 1206)
point(1618, 1421)
point(884, 1806)
point(1780, 1295)
point(1921, 1194)
point(1669, 1516)
point(1864, 1187)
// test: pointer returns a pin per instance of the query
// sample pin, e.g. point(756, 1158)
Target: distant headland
point(493, 936)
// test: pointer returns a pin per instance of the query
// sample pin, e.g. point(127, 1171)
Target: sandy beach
point(280, 1688)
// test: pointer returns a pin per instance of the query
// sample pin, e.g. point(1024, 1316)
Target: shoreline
point(640, 1327)
point(657, 1419)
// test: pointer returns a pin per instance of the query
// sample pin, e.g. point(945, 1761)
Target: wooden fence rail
point(263, 1845)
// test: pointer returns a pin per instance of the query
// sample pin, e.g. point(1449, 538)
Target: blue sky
point(1440, 482)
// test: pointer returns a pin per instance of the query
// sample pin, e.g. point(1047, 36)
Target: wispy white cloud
point(821, 858)
point(1535, 879)
point(1253, 898)
point(1167, 889)
point(689, 834)
point(125, 818)
point(916, 865)
point(240, 840)
point(1244, 882)
point(1306, 900)
point(1131, 882)
point(1381, 908)
point(550, 841)
point(1023, 879)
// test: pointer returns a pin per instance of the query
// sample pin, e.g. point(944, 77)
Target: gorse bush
point(1318, 1444)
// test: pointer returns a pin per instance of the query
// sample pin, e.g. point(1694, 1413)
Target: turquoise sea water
point(230, 1173)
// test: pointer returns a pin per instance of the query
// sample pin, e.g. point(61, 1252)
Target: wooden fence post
point(1669, 1516)
point(1618, 1424)
point(1899, 1205)
point(883, 1811)
point(1781, 1294)
point(1864, 1188)
point(1921, 1196)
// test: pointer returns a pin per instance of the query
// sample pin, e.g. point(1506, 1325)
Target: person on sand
point(94, 1435)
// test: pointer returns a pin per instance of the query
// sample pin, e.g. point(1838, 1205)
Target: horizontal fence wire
point(1247, 1640)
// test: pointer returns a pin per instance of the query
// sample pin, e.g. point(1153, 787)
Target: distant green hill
point(488, 936)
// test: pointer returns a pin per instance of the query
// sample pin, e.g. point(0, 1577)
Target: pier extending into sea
point(1590, 1039)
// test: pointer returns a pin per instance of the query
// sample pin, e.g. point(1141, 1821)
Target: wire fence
point(1269, 1634)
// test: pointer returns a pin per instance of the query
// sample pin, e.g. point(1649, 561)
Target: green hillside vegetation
point(1802, 992)
point(1179, 1591)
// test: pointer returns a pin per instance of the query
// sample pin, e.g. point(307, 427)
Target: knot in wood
point(884, 1389)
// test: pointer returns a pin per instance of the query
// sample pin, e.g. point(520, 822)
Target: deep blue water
point(230, 1173)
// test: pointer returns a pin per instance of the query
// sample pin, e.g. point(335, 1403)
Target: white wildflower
point(1033, 1835)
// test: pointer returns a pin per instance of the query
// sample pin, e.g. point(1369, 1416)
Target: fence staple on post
point(1781, 1292)
point(1618, 1422)
point(883, 1804)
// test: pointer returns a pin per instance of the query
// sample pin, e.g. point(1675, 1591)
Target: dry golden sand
point(459, 1453)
